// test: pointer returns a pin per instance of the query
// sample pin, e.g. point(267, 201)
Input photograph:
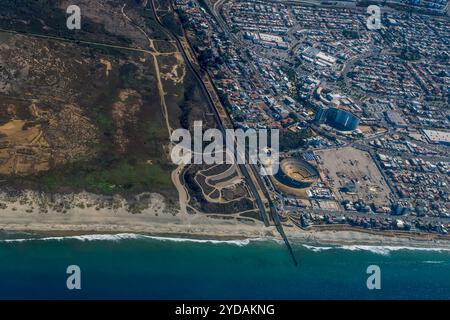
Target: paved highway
point(243, 167)
point(206, 93)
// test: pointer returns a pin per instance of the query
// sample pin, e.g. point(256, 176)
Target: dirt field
point(351, 166)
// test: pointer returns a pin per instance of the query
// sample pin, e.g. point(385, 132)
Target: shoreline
point(88, 214)
point(357, 239)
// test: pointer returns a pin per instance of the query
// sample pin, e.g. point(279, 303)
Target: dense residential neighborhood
point(317, 73)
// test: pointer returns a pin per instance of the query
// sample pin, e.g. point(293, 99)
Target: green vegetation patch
point(120, 177)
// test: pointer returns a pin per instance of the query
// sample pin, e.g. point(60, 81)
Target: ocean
point(129, 266)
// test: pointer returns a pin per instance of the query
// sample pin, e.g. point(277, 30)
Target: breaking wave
point(385, 250)
point(317, 249)
point(131, 236)
point(381, 250)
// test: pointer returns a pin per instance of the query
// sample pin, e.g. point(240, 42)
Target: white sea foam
point(386, 250)
point(128, 236)
point(91, 237)
point(317, 249)
point(382, 250)
point(239, 243)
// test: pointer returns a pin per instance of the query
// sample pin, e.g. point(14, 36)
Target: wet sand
point(89, 215)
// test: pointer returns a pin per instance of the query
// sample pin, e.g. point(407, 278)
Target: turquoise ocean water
point(140, 267)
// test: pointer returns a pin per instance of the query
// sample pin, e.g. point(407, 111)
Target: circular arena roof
point(296, 173)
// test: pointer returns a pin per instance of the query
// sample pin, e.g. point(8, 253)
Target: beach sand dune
point(93, 214)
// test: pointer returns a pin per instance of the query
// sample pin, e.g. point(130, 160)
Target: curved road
point(243, 168)
point(213, 109)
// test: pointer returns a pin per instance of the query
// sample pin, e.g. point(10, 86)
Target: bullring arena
point(295, 176)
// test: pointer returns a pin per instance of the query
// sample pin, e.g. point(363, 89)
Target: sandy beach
point(84, 214)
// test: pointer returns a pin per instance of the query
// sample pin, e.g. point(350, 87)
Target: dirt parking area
point(353, 175)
